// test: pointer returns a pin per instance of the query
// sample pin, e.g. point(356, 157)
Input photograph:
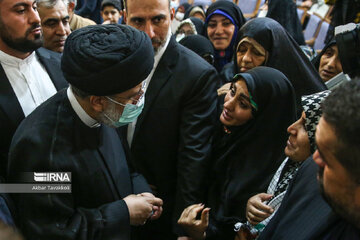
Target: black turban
point(107, 59)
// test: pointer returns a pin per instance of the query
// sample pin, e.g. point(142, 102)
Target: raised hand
point(194, 227)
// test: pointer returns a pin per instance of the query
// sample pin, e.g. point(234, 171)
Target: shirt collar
point(85, 118)
point(14, 61)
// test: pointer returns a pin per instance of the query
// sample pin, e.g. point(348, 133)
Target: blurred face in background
point(250, 54)
point(220, 31)
point(330, 64)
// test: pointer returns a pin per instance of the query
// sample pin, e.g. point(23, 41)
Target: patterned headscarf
point(312, 108)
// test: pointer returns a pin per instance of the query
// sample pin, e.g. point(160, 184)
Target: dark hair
point(125, 4)
point(341, 109)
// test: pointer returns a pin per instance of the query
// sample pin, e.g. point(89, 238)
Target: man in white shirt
point(27, 77)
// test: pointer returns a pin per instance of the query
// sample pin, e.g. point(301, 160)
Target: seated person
point(328, 61)
point(300, 145)
point(74, 132)
point(111, 11)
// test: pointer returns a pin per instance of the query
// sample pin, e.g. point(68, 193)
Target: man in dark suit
point(28, 74)
point(73, 131)
point(171, 140)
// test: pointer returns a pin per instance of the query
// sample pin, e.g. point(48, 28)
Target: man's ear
point(172, 13)
point(97, 103)
point(71, 7)
point(125, 16)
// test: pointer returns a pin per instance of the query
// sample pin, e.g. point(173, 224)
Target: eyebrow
point(320, 152)
point(245, 97)
point(22, 4)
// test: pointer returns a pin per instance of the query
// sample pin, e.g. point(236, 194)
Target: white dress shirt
point(85, 118)
point(29, 80)
point(131, 126)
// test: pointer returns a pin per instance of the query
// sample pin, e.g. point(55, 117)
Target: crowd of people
point(181, 121)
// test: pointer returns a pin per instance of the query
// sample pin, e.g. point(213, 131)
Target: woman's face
point(298, 144)
point(249, 56)
point(220, 31)
point(237, 107)
point(330, 64)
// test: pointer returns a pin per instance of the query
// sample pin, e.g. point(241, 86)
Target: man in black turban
point(74, 132)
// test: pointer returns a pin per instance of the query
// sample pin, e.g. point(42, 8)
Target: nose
point(219, 29)
point(332, 62)
point(292, 129)
point(230, 103)
point(34, 16)
point(318, 160)
point(247, 57)
point(149, 29)
point(61, 29)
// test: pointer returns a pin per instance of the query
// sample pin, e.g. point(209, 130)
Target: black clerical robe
point(54, 139)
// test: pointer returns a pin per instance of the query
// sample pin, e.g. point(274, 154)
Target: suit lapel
point(115, 160)
point(52, 66)
point(161, 75)
point(8, 100)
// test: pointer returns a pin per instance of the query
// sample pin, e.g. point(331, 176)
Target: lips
point(226, 115)
point(327, 73)
point(289, 144)
point(36, 31)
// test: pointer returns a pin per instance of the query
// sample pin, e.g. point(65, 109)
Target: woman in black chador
point(248, 148)
point(223, 20)
point(264, 42)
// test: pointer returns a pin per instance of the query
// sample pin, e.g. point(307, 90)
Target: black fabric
point(54, 139)
point(344, 11)
point(105, 59)
point(199, 44)
point(316, 60)
point(199, 25)
point(285, 13)
point(342, 231)
point(172, 140)
point(284, 55)
point(303, 214)
point(246, 159)
point(224, 57)
point(11, 113)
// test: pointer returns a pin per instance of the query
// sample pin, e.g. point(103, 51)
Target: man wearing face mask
point(74, 132)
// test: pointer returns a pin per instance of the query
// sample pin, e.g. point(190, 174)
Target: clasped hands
point(142, 207)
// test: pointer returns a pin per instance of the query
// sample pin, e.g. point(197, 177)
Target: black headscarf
point(246, 159)
point(285, 55)
point(199, 44)
point(285, 13)
point(199, 25)
point(235, 13)
point(316, 60)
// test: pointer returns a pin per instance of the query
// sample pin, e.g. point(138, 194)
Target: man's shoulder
point(48, 54)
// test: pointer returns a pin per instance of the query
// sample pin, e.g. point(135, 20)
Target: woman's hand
point(256, 210)
point(194, 227)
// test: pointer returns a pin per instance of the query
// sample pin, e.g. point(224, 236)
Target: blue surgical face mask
point(130, 112)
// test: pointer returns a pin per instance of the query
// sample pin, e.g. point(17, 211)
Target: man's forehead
point(14, 3)
point(146, 6)
point(59, 10)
